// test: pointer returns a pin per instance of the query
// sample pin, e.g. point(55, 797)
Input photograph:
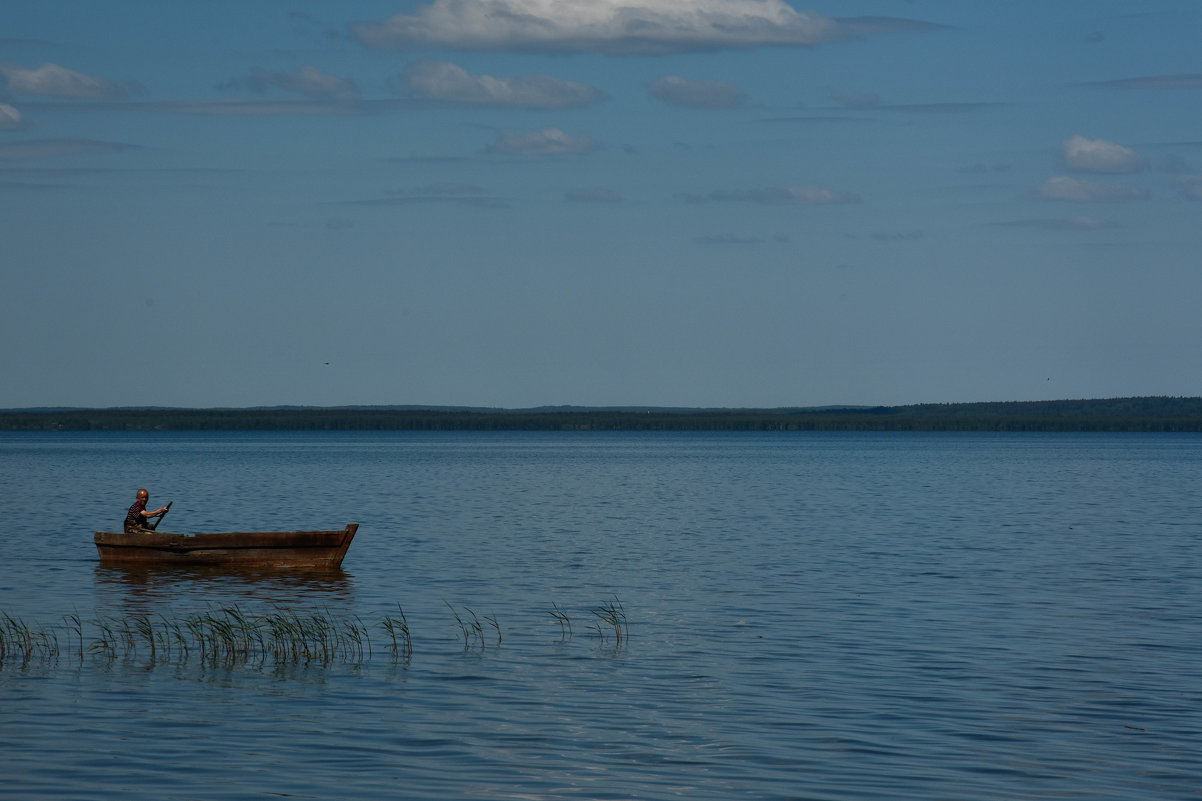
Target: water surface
point(811, 616)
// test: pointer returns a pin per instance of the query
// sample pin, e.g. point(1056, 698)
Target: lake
point(798, 616)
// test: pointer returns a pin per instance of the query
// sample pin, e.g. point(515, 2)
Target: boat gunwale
point(325, 547)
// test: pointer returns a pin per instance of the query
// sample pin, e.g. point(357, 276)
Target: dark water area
point(807, 616)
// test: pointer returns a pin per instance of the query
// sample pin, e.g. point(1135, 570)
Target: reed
point(175, 632)
point(496, 626)
point(229, 636)
point(145, 629)
point(17, 641)
point(106, 643)
point(611, 619)
point(357, 635)
point(244, 634)
point(75, 624)
point(398, 630)
point(23, 644)
point(561, 617)
point(477, 629)
point(471, 629)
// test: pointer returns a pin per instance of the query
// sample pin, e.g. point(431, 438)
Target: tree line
point(1147, 414)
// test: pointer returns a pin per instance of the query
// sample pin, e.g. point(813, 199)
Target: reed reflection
point(148, 588)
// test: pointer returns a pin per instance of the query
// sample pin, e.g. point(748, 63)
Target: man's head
point(143, 495)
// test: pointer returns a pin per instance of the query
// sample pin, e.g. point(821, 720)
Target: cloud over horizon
point(704, 94)
point(440, 80)
point(1077, 191)
point(775, 196)
point(307, 81)
point(1098, 155)
point(1191, 185)
point(616, 27)
point(544, 142)
point(52, 80)
point(10, 118)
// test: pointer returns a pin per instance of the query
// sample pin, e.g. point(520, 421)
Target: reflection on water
point(146, 588)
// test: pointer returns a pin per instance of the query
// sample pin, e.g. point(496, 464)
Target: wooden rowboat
point(312, 549)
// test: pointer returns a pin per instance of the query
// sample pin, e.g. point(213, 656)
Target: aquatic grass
point(398, 630)
point(22, 643)
point(244, 636)
point(470, 630)
point(355, 638)
point(175, 637)
point(75, 624)
point(228, 636)
point(470, 627)
point(613, 615)
point(106, 643)
point(195, 628)
point(492, 621)
point(302, 638)
point(227, 646)
point(145, 629)
point(561, 617)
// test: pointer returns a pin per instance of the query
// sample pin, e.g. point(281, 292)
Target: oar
point(164, 514)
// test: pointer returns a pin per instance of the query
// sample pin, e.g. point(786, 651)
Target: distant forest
point(1114, 414)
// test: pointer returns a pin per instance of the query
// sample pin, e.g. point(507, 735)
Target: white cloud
point(677, 91)
point(1191, 185)
point(51, 80)
point(1071, 189)
point(547, 142)
point(10, 118)
point(1098, 155)
point(439, 80)
point(776, 196)
point(308, 81)
point(614, 26)
point(250, 108)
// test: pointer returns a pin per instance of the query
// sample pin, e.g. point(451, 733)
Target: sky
point(516, 203)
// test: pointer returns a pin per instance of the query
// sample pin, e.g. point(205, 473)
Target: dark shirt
point(133, 518)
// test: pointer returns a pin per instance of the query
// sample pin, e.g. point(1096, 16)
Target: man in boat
point(137, 517)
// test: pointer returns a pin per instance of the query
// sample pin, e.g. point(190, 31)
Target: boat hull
point(308, 549)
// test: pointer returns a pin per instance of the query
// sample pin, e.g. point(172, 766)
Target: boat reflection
point(149, 587)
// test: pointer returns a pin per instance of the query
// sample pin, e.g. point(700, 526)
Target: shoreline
point(1147, 414)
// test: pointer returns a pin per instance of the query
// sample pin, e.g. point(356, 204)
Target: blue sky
point(740, 203)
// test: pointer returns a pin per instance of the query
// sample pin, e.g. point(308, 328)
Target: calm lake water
point(808, 616)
